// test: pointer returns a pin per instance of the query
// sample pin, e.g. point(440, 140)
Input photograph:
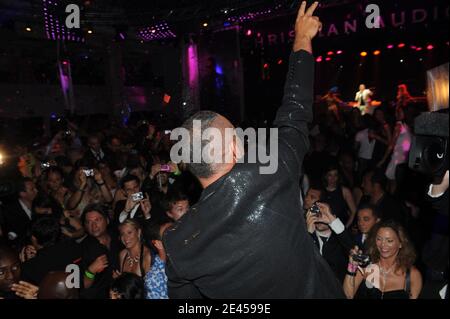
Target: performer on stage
point(363, 98)
point(403, 96)
point(246, 237)
point(332, 101)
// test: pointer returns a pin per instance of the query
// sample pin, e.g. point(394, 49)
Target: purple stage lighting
point(55, 27)
point(160, 31)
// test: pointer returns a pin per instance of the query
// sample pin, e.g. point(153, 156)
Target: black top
point(246, 237)
point(91, 249)
point(364, 292)
point(53, 258)
point(337, 203)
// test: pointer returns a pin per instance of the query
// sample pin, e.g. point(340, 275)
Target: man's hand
point(311, 220)
point(146, 207)
point(306, 27)
point(326, 216)
point(98, 265)
point(25, 290)
point(129, 204)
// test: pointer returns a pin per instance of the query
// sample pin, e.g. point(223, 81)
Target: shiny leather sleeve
point(296, 112)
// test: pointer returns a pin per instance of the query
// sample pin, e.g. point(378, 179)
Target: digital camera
point(88, 172)
point(315, 210)
point(361, 259)
point(45, 165)
point(136, 197)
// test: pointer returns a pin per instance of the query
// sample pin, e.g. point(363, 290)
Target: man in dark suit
point(374, 187)
point(18, 214)
point(330, 236)
point(51, 254)
point(367, 216)
point(96, 153)
point(130, 208)
point(245, 237)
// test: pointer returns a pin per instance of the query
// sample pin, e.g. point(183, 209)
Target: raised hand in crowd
point(146, 206)
point(25, 290)
point(27, 253)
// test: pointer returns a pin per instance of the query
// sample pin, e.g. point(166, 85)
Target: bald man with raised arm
point(246, 237)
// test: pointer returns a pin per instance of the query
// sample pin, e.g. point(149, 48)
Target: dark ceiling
point(139, 12)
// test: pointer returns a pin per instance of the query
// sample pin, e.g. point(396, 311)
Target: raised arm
point(296, 110)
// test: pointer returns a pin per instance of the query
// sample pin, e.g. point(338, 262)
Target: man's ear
point(237, 148)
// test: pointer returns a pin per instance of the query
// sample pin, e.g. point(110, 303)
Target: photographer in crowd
point(329, 234)
point(388, 271)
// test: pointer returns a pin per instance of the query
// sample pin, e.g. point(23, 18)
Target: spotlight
point(390, 46)
point(401, 60)
point(327, 58)
point(319, 59)
point(430, 47)
point(205, 24)
point(364, 53)
point(401, 45)
point(376, 52)
point(339, 52)
point(249, 32)
point(28, 29)
point(89, 31)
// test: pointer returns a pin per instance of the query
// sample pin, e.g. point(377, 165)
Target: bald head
point(217, 147)
point(53, 286)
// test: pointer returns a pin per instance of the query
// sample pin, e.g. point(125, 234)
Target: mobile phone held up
point(165, 168)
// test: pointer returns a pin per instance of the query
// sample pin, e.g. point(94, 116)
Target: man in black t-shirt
point(100, 253)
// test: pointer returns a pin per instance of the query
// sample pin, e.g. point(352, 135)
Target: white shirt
point(363, 238)
point(365, 96)
point(336, 226)
point(124, 215)
point(366, 146)
point(25, 208)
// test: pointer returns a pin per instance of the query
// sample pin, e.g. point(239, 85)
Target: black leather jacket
point(247, 237)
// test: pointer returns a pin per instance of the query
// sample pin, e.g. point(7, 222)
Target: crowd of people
point(90, 210)
point(93, 201)
point(75, 204)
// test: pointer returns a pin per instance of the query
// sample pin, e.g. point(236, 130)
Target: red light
point(413, 47)
point(419, 49)
point(330, 53)
point(319, 59)
point(401, 45)
point(280, 61)
point(65, 62)
point(339, 52)
point(364, 53)
point(376, 52)
point(390, 46)
point(430, 47)
point(327, 58)
point(266, 65)
point(167, 98)
point(249, 33)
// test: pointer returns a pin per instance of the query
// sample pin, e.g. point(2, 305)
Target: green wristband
point(89, 275)
point(177, 172)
